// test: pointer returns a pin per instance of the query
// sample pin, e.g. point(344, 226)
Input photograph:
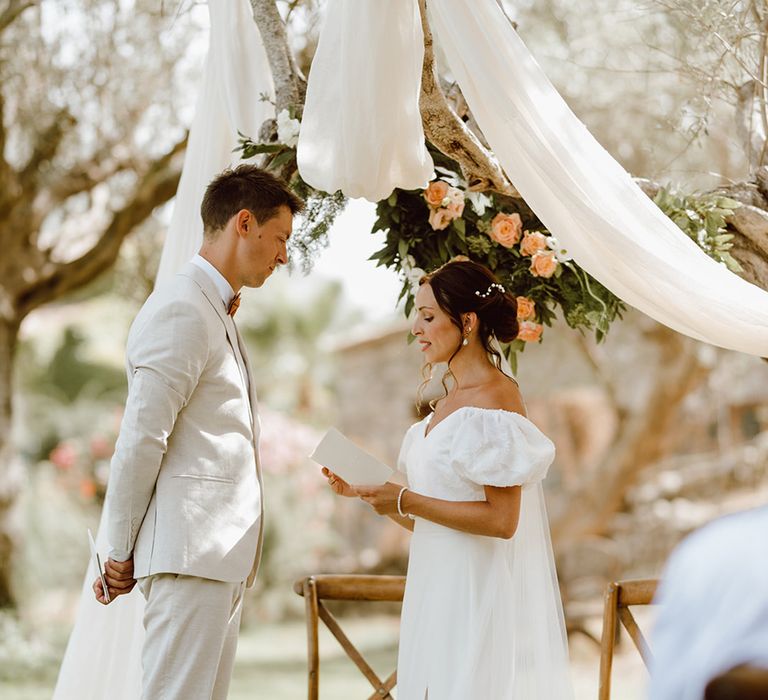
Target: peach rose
point(455, 204)
point(533, 242)
point(506, 229)
point(436, 192)
point(543, 264)
point(439, 219)
point(526, 308)
point(529, 331)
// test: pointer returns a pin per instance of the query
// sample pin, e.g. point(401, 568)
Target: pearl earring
point(465, 342)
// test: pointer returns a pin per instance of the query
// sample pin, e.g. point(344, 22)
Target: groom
point(185, 491)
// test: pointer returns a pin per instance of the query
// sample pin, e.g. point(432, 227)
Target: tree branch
point(157, 186)
point(46, 146)
point(641, 442)
point(449, 133)
point(84, 176)
point(9, 185)
point(285, 73)
point(12, 12)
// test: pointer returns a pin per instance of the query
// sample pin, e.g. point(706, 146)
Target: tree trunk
point(9, 475)
point(642, 439)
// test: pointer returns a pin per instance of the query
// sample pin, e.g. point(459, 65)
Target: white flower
point(561, 253)
point(479, 202)
point(287, 129)
point(412, 273)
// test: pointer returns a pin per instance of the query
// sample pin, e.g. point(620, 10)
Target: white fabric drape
point(361, 130)
point(103, 656)
point(236, 74)
point(581, 194)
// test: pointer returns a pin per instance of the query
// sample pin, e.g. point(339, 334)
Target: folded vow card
point(96, 560)
point(348, 461)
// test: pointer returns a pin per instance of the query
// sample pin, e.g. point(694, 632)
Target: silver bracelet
point(400, 504)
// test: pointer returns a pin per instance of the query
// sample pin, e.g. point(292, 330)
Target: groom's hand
point(119, 576)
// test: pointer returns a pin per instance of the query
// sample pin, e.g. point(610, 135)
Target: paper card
point(349, 461)
point(96, 559)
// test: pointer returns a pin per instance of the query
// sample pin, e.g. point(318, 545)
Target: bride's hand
point(339, 486)
point(383, 499)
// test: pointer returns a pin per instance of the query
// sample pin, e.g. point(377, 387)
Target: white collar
point(223, 287)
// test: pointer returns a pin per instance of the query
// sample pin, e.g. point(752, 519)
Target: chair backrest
point(619, 597)
point(315, 590)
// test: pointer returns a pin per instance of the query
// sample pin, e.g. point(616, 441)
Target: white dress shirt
point(223, 287)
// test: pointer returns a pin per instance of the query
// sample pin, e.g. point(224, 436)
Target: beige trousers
point(191, 636)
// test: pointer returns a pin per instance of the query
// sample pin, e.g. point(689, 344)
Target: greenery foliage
point(702, 218)
point(417, 240)
point(321, 208)
point(411, 243)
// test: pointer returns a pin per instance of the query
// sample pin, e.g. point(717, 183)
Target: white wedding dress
point(482, 617)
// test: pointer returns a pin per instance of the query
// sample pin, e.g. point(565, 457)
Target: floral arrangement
point(427, 228)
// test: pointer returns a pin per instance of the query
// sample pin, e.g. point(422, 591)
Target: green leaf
point(727, 203)
point(392, 199)
point(512, 357)
point(731, 262)
point(282, 158)
point(266, 147)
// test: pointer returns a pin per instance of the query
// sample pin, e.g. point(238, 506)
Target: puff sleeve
point(500, 448)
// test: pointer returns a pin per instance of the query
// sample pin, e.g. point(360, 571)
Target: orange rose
point(439, 219)
point(529, 331)
point(543, 264)
point(533, 242)
point(526, 308)
point(506, 229)
point(435, 193)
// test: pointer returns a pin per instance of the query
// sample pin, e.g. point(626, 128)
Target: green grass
point(271, 664)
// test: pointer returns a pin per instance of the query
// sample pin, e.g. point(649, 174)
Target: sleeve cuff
point(119, 555)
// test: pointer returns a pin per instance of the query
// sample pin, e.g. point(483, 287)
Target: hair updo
point(464, 286)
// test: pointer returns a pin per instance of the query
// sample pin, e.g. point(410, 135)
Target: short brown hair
point(245, 187)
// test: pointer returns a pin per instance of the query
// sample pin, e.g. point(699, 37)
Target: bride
point(481, 616)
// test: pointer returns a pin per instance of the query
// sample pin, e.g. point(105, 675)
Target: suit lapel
point(251, 385)
point(233, 336)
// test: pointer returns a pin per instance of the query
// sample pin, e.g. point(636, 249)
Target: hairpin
point(488, 291)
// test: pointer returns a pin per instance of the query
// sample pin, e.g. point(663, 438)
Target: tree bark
point(447, 132)
point(10, 483)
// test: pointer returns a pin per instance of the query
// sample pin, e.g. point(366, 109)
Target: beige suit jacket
point(185, 491)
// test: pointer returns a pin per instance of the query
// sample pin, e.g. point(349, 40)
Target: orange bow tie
point(234, 305)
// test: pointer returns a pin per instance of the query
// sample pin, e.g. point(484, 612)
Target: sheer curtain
point(103, 656)
point(583, 196)
point(361, 129)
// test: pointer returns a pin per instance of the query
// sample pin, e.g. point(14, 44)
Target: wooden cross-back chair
point(315, 590)
point(619, 597)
